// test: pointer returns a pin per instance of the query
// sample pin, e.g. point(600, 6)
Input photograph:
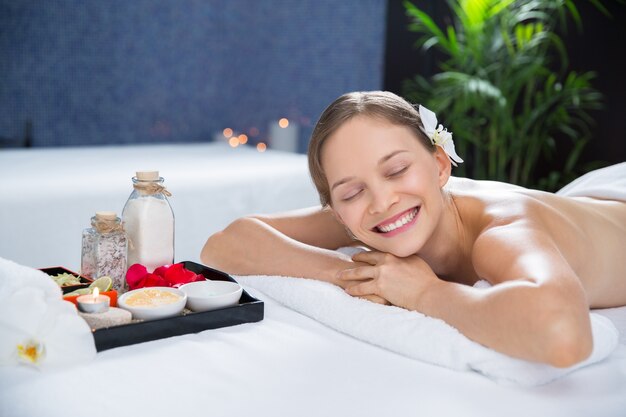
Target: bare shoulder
point(515, 250)
point(517, 233)
point(511, 239)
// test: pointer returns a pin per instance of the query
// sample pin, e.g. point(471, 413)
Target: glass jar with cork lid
point(104, 247)
point(149, 222)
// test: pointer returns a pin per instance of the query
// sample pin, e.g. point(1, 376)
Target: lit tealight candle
point(93, 303)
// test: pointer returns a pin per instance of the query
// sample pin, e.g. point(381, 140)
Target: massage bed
point(49, 195)
point(298, 360)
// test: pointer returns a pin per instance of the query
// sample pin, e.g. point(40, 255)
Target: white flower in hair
point(438, 135)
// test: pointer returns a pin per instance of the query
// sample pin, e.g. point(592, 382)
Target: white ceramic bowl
point(155, 310)
point(210, 295)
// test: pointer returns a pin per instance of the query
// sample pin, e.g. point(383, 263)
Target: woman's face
point(385, 186)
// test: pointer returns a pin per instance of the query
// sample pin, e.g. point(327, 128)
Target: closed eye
point(397, 172)
point(352, 195)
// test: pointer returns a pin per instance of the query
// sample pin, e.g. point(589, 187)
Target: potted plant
point(504, 88)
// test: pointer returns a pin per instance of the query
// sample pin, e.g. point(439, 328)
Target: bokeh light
point(261, 147)
point(283, 123)
point(243, 139)
point(228, 132)
point(233, 142)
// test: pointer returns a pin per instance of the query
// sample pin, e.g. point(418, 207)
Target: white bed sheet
point(48, 195)
point(289, 364)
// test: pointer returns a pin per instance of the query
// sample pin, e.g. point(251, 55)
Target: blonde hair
point(381, 104)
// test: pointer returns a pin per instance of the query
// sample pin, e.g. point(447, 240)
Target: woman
point(383, 174)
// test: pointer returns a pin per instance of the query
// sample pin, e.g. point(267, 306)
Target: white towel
point(34, 318)
point(607, 183)
point(14, 276)
point(417, 336)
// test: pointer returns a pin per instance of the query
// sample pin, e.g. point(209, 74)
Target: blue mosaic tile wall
point(91, 72)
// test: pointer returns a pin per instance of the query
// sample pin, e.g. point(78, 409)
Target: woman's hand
point(400, 281)
point(375, 299)
point(343, 283)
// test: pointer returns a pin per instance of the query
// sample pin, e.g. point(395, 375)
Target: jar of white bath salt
point(149, 222)
point(104, 249)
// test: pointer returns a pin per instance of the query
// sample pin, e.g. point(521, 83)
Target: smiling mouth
point(405, 219)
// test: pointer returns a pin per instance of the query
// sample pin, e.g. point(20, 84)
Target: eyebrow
point(380, 162)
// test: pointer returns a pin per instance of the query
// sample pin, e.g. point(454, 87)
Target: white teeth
point(399, 223)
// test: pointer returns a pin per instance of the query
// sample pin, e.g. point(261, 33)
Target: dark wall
point(89, 72)
point(599, 47)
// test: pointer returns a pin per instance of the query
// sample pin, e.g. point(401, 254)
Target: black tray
point(55, 270)
point(249, 310)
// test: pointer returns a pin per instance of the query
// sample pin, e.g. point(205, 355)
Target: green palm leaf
point(504, 89)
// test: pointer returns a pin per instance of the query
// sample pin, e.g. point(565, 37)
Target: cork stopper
point(147, 175)
point(106, 215)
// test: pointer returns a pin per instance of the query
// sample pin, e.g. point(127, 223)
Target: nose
point(382, 199)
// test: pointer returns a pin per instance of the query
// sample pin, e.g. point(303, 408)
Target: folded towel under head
point(415, 335)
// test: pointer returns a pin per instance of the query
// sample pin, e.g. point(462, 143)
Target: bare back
point(589, 233)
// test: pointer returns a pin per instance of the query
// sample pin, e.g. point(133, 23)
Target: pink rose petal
point(154, 280)
point(174, 275)
point(162, 270)
point(135, 275)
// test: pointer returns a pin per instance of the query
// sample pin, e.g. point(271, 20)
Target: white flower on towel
point(37, 327)
point(438, 135)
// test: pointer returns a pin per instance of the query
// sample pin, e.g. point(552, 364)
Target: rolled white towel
point(415, 335)
point(14, 276)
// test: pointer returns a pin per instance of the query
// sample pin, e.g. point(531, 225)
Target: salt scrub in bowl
point(151, 303)
point(211, 295)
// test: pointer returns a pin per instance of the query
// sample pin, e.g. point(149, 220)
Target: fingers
point(375, 299)
point(367, 288)
point(371, 257)
point(358, 274)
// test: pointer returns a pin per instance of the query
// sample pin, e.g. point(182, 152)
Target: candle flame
point(96, 293)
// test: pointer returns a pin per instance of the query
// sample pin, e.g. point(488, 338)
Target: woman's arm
point(537, 309)
point(300, 243)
